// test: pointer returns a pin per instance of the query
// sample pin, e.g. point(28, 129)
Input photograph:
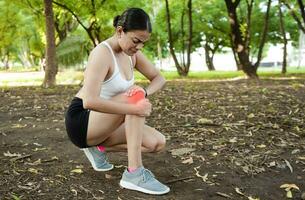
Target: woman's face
point(132, 41)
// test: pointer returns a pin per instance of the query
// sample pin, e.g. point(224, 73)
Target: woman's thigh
point(101, 125)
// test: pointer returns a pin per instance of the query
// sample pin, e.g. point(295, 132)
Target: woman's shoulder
point(100, 48)
point(100, 52)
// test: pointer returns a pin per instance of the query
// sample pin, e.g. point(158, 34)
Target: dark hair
point(133, 19)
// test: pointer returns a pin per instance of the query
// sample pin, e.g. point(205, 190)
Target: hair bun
point(116, 20)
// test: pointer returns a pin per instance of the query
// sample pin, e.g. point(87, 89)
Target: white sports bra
point(116, 83)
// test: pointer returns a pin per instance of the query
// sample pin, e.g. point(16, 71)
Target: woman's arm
point(145, 67)
point(97, 68)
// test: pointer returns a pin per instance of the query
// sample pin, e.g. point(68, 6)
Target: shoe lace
point(102, 156)
point(147, 175)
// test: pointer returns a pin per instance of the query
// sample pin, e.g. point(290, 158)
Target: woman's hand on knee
point(133, 90)
point(143, 108)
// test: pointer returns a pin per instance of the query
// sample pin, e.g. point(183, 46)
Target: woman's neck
point(113, 42)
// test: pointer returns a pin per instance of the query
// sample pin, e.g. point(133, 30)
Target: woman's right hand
point(143, 108)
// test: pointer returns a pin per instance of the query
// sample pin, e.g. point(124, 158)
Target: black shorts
point(76, 119)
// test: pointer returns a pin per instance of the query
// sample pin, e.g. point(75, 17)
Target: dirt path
point(226, 140)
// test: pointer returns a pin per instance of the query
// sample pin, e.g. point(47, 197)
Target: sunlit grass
point(76, 77)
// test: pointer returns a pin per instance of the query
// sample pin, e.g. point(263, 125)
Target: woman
point(109, 110)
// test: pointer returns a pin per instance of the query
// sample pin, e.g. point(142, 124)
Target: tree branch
point(262, 42)
point(293, 14)
point(302, 10)
point(71, 11)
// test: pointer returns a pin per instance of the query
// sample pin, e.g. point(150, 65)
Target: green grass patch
point(75, 77)
point(207, 75)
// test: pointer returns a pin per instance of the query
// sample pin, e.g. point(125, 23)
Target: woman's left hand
point(133, 89)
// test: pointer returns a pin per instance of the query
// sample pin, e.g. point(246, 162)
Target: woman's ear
point(119, 31)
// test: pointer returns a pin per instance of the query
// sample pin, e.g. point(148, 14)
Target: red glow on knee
point(139, 95)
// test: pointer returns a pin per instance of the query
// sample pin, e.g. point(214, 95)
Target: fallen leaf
point(290, 186)
point(32, 170)
point(261, 146)
point(237, 190)
point(37, 162)
point(204, 121)
point(61, 176)
point(251, 115)
point(289, 194)
point(18, 126)
point(233, 140)
point(188, 161)
point(289, 165)
point(295, 151)
point(74, 191)
point(9, 154)
point(181, 151)
point(301, 157)
point(120, 166)
point(37, 144)
point(78, 171)
point(223, 195)
point(39, 149)
point(108, 176)
point(251, 198)
point(272, 164)
point(204, 178)
point(214, 153)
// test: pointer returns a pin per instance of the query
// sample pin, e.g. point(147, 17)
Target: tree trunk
point(239, 46)
point(190, 29)
point(182, 60)
point(208, 58)
point(264, 35)
point(159, 51)
point(282, 28)
point(51, 66)
point(248, 30)
point(237, 62)
point(7, 59)
point(170, 40)
point(302, 10)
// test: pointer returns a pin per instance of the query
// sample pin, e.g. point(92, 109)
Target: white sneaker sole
point(91, 159)
point(131, 186)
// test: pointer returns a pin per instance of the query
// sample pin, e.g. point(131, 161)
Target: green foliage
point(22, 27)
point(209, 25)
point(71, 51)
point(21, 34)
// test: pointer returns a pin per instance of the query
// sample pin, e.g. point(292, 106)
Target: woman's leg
point(152, 140)
point(109, 130)
point(134, 133)
point(102, 128)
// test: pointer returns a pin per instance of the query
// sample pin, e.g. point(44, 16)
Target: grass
point(75, 77)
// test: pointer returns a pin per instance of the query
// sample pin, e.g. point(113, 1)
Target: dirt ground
point(225, 140)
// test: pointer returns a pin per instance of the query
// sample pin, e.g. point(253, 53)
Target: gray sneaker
point(97, 159)
point(144, 181)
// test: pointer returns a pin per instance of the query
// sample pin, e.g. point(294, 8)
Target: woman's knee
point(156, 144)
point(161, 143)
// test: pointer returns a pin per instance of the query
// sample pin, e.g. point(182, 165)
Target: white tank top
point(116, 83)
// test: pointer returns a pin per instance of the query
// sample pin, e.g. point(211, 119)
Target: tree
point(295, 14)
point(182, 68)
point(212, 28)
point(51, 66)
point(29, 39)
point(282, 28)
point(240, 36)
point(9, 21)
